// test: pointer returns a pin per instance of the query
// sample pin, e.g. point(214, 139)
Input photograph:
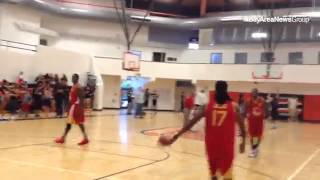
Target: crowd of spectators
point(47, 96)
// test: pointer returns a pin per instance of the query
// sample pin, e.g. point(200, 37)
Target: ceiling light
point(190, 22)
point(39, 1)
point(308, 14)
point(259, 35)
point(232, 18)
point(80, 10)
point(140, 18)
point(194, 46)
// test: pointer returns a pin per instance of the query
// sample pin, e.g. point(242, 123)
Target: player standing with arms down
point(221, 114)
point(76, 111)
point(255, 114)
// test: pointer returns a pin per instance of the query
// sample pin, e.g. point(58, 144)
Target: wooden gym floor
point(118, 150)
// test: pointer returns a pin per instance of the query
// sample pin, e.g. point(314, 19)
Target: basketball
point(164, 140)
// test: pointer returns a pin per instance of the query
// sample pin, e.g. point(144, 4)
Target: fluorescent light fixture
point(259, 35)
point(318, 34)
point(232, 18)
point(308, 14)
point(193, 46)
point(211, 44)
point(190, 22)
point(140, 18)
point(39, 1)
point(80, 10)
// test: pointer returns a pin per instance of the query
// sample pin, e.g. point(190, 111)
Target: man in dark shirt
point(130, 101)
point(58, 96)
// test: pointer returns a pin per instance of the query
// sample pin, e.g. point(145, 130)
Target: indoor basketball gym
point(136, 69)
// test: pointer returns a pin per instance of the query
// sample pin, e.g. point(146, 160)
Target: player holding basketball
point(255, 114)
point(76, 111)
point(221, 114)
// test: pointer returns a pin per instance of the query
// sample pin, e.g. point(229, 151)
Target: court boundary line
point(47, 167)
point(97, 151)
point(304, 164)
point(134, 168)
point(167, 156)
point(22, 146)
point(130, 169)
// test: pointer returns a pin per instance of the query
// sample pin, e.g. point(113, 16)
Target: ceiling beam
point(203, 7)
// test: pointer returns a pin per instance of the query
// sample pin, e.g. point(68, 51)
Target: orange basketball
point(164, 140)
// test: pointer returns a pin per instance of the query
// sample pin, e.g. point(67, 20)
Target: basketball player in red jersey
point(255, 114)
point(221, 114)
point(76, 111)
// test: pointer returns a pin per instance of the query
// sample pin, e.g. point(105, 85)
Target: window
point(216, 58)
point(193, 43)
point(159, 56)
point(267, 57)
point(241, 58)
point(43, 42)
point(171, 59)
point(295, 58)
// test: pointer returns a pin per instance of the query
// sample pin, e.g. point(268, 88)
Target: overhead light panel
point(194, 46)
point(140, 18)
point(307, 14)
point(232, 18)
point(259, 35)
point(80, 10)
point(39, 1)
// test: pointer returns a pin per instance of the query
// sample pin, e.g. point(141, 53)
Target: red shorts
point(255, 126)
point(26, 107)
point(220, 157)
point(222, 164)
point(76, 115)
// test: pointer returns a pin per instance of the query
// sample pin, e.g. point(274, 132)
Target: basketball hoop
point(254, 76)
point(267, 71)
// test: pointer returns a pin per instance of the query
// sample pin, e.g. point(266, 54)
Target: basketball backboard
point(131, 61)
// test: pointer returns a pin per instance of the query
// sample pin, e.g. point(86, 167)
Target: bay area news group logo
point(279, 19)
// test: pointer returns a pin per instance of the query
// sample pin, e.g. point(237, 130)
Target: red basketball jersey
point(256, 113)
point(220, 135)
point(78, 111)
point(256, 109)
point(74, 94)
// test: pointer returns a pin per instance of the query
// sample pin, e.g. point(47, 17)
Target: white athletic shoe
point(254, 153)
point(274, 126)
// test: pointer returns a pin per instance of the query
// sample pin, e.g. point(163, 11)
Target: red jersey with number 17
point(220, 135)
